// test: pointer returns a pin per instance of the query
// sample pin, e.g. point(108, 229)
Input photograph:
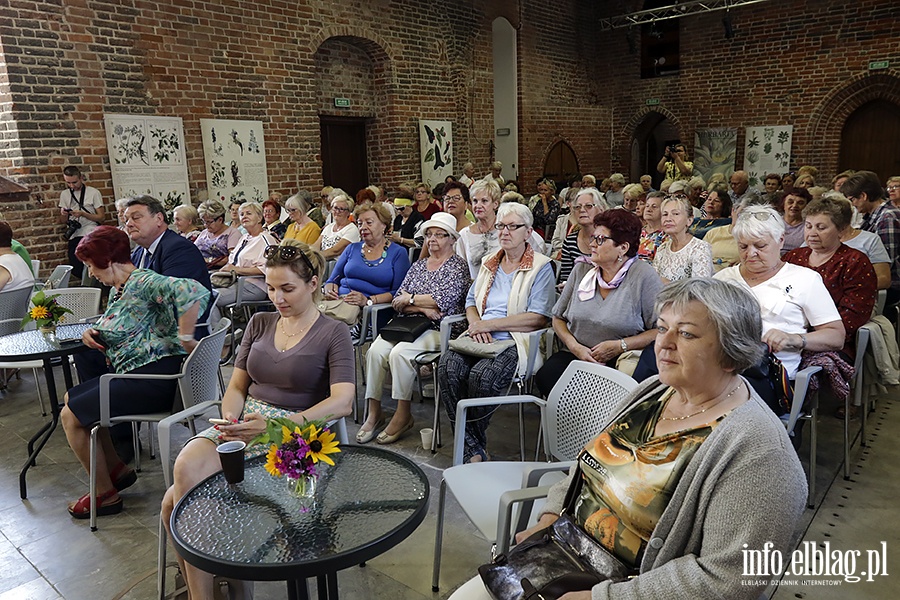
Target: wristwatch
point(369, 301)
point(186, 337)
point(412, 299)
point(623, 345)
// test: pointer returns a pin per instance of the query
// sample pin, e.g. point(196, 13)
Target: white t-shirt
point(20, 273)
point(694, 260)
point(92, 200)
point(794, 299)
point(330, 237)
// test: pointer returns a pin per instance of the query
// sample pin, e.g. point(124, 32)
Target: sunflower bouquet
point(46, 311)
point(296, 450)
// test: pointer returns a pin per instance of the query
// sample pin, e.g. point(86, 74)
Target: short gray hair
point(733, 310)
point(756, 222)
point(520, 210)
point(211, 209)
point(121, 203)
point(301, 201)
point(595, 194)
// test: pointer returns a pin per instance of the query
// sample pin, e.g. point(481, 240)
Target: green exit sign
point(652, 101)
point(877, 65)
point(342, 102)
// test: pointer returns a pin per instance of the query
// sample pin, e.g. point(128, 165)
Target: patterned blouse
point(215, 247)
point(694, 260)
point(447, 285)
point(140, 326)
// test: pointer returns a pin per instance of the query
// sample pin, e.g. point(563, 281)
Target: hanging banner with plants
point(146, 156)
point(767, 150)
point(436, 143)
point(714, 152)
point(235, 155)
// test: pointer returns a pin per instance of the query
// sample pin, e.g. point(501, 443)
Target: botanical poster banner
point(714, 151)
point(146, 155)
point(235, 155)
point(767, 150)
point(436, 143)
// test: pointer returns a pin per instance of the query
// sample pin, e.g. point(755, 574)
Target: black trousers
point(77, 265)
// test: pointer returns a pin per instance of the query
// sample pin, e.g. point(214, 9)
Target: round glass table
point(369, 502)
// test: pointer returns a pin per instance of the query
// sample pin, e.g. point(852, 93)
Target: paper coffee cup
point(231, 454)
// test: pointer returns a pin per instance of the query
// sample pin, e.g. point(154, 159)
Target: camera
point(72, 227)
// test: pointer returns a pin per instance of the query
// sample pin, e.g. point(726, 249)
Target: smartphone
point(220, 422)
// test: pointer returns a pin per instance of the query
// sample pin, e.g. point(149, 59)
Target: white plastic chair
point(579, 405)
point(59, 278)
point(35, 268)
point(858, 387)
point(240, 303)
point(810, 413)
point(198, 379)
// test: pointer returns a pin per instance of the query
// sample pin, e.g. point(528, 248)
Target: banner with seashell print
point(767, 150)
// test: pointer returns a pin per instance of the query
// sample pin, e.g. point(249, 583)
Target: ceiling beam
point(674, 11)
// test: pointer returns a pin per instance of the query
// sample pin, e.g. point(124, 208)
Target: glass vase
point(49, 333)
point(303, 487)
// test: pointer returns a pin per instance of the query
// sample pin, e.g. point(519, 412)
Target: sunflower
point(39, 312)
point(321, 444)
point(272, 461)
point(287, 435)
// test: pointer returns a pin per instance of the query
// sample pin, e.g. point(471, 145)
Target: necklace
point(362, 252)
point(296, 333)
point(700, 412)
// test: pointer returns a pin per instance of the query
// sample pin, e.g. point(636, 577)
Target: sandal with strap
point(108, 503)
point(123, 477)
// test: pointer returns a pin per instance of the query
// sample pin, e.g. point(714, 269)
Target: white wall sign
point(436, 143)
point(767, 150)
point(235, 155)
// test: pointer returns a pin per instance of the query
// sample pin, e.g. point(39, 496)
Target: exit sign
point(877, 65)
point(342, 102)
point(652, 101)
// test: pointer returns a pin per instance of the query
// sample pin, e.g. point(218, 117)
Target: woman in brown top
point(295, 363)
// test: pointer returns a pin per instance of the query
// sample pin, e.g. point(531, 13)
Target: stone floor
point(46, 554)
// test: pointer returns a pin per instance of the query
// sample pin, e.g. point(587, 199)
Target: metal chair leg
point(439, 537)
point(93, 485)
point(136, 441)
point(161, 562)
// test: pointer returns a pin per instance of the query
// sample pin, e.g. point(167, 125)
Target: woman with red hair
point(271, 221)
point(139, 333)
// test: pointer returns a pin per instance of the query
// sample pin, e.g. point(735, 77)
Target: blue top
point(540, 299)
point(352, 273)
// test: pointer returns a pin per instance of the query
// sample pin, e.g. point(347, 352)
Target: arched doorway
point(561, 163)
point(869, 139)
point(649, 141)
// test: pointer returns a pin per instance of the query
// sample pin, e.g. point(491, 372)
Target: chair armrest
point(164, 433)
point(464, 405)
point(504, 516)
point(801, 386)
point(104, 389)
point(532, 475)
point(534, 346)
point(446, 325)
point(242, 281)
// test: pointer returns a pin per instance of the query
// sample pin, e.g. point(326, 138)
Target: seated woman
point(247, 259)
point(681, 255)
point(407, 221)
point(588, 204)
point(302, 228)
point(869, 244)
point(218, 240)
point(721, 239)
point(139, 334)
point(652, 234)
point(545, 208)
point(633, 196)
point(434, 287)
point(15, 273)
point(692, 469)
point(606, 307)
point(793, 299)
point(717, 208)
point(371, 271)
point(272, 218)
point(187, 221)
point(792, 211)
point(339, 233)
point(512, 295)
point(847, 273)
point(294, 363)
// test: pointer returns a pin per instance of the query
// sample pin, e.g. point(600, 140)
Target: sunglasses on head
point(287, 253)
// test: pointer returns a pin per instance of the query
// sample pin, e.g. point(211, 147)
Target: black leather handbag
point(405, 328)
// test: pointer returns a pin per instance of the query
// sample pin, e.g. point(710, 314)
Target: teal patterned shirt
point(141, 326)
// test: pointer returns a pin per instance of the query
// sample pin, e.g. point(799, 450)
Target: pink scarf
point(588, 285)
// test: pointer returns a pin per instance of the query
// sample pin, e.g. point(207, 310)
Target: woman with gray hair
point(681, 255)
point(682, 480)
point(186, 221)
point(340, 232)
point(302, 227)
point(512, 295)
point(219, 239)
point(797, 310)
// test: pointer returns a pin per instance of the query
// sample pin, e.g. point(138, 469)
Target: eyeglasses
point(339, 209)
point(599, 239)
point(892, 188)
point(460, 198)
point(436, 235)
point(211, 221)
point(759, 215)
point(509, 226)
point(586, 206)
point(421, 191)
point(287, 253)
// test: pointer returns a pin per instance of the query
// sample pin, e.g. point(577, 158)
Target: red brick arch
point(621, 160)
point(381, 51)
point(831, 114)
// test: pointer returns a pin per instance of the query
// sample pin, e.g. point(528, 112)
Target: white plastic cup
point(427, 437)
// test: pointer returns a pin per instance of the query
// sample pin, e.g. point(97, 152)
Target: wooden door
point(344, 159)
point(561, 164)
point(869, 140)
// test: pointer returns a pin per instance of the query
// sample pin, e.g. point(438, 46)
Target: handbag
point(339, 310)
point(223, 279)
point(405, 328)
point(464, 344)
point(770, 380)
point(550, 563)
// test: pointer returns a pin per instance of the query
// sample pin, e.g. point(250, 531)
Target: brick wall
point(63, 64)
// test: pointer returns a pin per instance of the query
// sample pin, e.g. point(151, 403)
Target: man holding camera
point(673, 163)
point(80, 210)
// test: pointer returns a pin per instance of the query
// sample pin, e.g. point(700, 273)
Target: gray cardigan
point(744, 485)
